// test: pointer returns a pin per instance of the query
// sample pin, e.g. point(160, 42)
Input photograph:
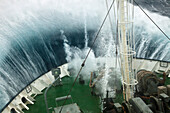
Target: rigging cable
point(111, 25)
point(82, 65)
point(151, 20)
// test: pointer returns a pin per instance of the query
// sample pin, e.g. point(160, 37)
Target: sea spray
point(85, 30)
point(93, 64)
point(31, 45)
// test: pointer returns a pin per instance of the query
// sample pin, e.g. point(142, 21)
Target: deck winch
point(148, 82)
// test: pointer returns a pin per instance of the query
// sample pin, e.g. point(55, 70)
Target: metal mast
point(125, 15)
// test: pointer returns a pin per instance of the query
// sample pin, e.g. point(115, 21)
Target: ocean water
point(38, 35)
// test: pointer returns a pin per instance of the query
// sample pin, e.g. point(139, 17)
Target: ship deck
point(81, 94)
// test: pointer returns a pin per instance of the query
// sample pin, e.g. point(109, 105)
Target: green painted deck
point(81, 94)
point(167, 82)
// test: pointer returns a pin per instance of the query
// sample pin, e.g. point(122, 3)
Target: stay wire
point(99, 31)
point(151, 20)
point(82, 65)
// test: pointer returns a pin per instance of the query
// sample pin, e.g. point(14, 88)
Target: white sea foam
point(19, 18)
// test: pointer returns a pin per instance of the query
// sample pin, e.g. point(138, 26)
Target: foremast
point(125, 15)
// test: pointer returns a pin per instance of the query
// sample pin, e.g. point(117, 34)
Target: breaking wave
point(39, 35)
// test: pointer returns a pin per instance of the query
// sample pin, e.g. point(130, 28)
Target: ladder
point(126, 42)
